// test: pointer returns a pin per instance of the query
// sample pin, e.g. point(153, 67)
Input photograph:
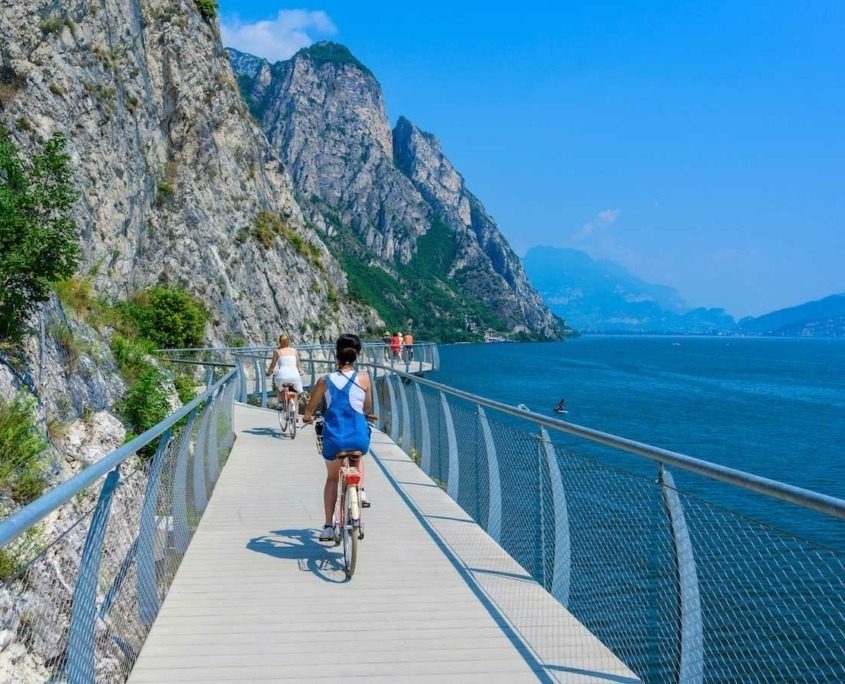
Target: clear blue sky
point(698, 143)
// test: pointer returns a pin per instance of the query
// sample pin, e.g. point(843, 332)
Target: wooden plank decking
point(257, 597)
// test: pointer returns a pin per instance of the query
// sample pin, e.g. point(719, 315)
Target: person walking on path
point(395, 346)
point(385, 338)
point(408, 347)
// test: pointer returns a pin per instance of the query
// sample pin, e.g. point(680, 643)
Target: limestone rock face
point(171, 168)
point(323, 111)
point(492, 270)
point(327, 120)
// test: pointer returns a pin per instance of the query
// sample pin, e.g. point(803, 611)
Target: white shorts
point(280, 379)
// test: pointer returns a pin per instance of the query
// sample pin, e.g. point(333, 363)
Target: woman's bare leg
point(330, 489)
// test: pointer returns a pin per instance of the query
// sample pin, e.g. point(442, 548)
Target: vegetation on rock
point(269, 227)
point(167, 317)
point(39, 244)
point(22, 464)
point(421, 291)
point(207, 8)
point(327, 52)
point(147, 402)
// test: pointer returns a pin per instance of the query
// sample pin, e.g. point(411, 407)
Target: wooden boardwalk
point(257, 597)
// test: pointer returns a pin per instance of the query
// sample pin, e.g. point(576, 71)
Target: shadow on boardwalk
point(302, 546)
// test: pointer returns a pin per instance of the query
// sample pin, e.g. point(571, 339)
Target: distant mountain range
point(820, 318)
point(598, 295)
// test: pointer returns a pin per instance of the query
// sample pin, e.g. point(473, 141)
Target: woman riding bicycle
point(349, 401)
point(285, 367)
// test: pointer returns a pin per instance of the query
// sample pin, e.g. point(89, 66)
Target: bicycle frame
point(350, 476)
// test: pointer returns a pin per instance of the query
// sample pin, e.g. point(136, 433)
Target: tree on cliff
point(39, 244)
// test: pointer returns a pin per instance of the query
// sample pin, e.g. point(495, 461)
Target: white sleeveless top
point(286, 366)
point(356, 394)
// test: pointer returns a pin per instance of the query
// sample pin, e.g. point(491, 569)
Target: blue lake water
point(772, 407)
point(769, 573)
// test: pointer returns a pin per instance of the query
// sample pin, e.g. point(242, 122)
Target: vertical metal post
point(376, 409)
point(494, 485)
point(255, 381)
point(313, 373)
point(563, 556)
point(145, 574)
point(394, 409)
point(241, 380)
point(209, 376)
point(453, 485)
point(425, 449)
point(179, 495)
point(211, 440)
point(83, 615)
point(263, 376)
point(691, 629)
point(200, 495)
point(406, 419)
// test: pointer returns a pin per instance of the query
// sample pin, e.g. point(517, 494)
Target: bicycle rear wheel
point(350, 533)
point(292, 418)
point(283, 417)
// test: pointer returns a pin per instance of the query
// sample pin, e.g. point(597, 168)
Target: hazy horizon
point(698, 146)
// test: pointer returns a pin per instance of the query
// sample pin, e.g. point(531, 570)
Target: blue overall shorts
point(344, 429)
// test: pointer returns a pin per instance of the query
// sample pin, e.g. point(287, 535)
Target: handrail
point(20, 521)
point(303, 346)
point(806, 498)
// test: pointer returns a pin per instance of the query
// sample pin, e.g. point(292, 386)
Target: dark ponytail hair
point(347, 348)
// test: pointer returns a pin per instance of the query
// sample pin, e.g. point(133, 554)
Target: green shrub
point(131, 355)
point(167, 317)
point(39, 244)
point(72, 347)
point(164, 192)
point(22, 464)
point(185, 387)
point(207, 8)
point(20, 551)
point(146, 402)
point(77, 294)
point(51, 23)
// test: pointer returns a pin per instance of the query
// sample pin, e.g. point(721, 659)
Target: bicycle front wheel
point(350, 532)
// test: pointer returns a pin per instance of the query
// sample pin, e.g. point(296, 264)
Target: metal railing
point(88, 564)
point(679, 588)
point(316, 359)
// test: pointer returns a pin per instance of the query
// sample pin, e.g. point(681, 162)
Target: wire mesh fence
point(83, 586)
point(678, 588)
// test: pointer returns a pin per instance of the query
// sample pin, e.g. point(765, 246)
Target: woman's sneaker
point(327, 534)
point(365, 502)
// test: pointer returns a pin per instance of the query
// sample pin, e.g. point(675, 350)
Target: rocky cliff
point(415, 243)
point(172, 169)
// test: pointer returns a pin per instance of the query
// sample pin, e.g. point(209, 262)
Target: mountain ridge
point(599, 295)
point(375, 192)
